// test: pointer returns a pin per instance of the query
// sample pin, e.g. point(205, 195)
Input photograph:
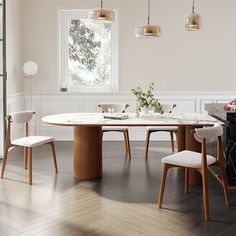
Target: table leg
point(181, 142)
point(193, 145)
point(181, 138)
point(87, 152)
point(188, 142)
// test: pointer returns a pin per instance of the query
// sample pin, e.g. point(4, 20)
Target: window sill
point(89, 92)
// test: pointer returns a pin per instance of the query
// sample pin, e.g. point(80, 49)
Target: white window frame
point(64, 17)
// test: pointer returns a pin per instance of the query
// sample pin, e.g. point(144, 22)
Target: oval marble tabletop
point(97, 119)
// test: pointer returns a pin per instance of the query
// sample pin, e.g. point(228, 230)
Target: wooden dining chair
point(27, 142)
point(172, 130)
point(201, 162)
point(117, 108)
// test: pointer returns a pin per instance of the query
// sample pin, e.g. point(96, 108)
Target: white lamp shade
point(30, 68)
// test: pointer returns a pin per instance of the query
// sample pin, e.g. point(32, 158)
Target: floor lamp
point(30, 69)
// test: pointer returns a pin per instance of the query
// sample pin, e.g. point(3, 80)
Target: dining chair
point(27, 142)
point(117, 108)
point(201, 162)
point(170, 129)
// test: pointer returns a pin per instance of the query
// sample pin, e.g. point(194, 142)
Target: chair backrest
point(208, 133)
point(113, 107)
point(21, 117)
point(168, 108)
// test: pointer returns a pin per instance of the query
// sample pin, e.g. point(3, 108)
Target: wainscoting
point(52, 103)
point(16, 102)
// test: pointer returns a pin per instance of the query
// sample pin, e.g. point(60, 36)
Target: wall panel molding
point(16, 102)
point(52, 103)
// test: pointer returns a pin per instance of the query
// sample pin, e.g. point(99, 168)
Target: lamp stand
point(30, 88)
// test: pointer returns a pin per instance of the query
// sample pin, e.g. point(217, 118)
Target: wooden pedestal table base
point(87, 152)
point(188, 142)
point(88, 136)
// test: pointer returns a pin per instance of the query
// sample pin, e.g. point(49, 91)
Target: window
point(89, 53)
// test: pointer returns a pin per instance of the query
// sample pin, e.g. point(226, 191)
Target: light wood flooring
point(123, 202)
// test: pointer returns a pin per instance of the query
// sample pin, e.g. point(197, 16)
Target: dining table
point(88, 136)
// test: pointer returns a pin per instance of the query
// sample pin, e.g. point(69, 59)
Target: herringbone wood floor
point(123, 202)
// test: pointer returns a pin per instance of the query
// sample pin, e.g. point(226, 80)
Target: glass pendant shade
point(192, 22)
point(148, 31)
point(102, 14)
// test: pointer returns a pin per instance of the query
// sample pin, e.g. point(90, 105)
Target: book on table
point(116, 116)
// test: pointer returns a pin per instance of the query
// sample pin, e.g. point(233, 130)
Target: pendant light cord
point(101, 4)
point(193, 9)
point(148, 12)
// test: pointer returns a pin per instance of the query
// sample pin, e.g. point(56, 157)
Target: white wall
point(15, 89)
point(14, 47)
point(177, 61)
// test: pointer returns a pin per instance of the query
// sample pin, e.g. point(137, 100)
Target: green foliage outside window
point(90, 56)
point(83, 48)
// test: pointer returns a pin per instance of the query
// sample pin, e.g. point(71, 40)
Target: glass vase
point(147, 111)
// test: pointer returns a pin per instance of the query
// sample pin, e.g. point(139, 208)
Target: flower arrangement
point(147, 100)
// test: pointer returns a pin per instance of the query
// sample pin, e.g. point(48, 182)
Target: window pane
point(90, 53)
point(1, 117)
point(1, 19)
point(1, 57)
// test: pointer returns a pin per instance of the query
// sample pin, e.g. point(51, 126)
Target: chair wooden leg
point(224, 183)
point(177, 138)
point(172, 142)
point(162, 186)
point(128, 143)
point(147, 143)
point(205, 194)
point(30, 165)
point(54, 156)
point(186, 182)
point(4, 161)
point(26, 157)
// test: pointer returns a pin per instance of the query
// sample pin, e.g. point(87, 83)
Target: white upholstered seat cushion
point(187, 159)
point(114, 128)
point(32, 141)
point(162, 128)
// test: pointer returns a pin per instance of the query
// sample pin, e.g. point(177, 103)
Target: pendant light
point(192, 21)
point(148, 31)
point(101, 14)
